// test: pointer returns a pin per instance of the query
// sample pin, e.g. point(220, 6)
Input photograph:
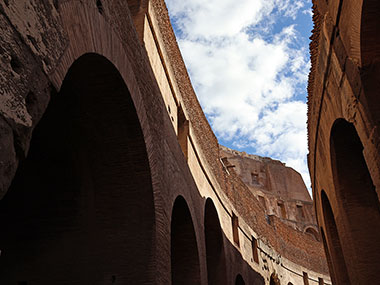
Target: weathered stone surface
point(92, 100)
point(343, 119)
point(280, 189)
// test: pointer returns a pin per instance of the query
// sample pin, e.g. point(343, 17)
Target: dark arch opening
point(274, 280)
point(239, 280)
point(80, 209)
point(184, 250)
point(216, 267)
point(328, 257)
point(357, 201)
point(313, 233)
point(370, 57)
point(334, 248)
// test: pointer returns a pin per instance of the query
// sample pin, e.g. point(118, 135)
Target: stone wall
point(109, 170)
point(343, 131)
point(279, 189)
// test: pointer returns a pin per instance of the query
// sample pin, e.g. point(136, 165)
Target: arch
point(357, 201)
point(312, 232)
point(80, 208)
point(184, 249)
point(239, 280)
point(274, 280)
point(333, 247)
point(215, 258)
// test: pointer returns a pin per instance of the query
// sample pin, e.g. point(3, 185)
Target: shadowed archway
point(332, 244)
point(358, 203)
point(184, 249)
point(216, 267)
point(313, 233)
point(80, 209)
point(239, 280)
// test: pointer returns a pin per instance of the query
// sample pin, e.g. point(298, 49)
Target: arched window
point(312, 232)
point(357, 201)
point(274, 280)
point(80, 208)
point(239, 280)
point(216, 267)
point(184, 249)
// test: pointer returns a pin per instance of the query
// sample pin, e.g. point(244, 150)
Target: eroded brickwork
point(279, 189)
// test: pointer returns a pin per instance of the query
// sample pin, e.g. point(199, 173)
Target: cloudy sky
point(248, 61)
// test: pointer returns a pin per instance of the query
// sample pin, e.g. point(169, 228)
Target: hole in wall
point(99, 5)
point(16, 64)
point(56, 4)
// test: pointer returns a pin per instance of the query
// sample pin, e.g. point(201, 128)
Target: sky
point(248, 61)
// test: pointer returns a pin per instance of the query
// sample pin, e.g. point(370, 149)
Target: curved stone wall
point(40, 44)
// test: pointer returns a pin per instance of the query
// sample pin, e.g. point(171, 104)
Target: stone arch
point(357, 201)
point(80, 208)
point(185, 264)
point(215, 257)
point(370, 57)
point(332, 243)
point(274, 280)
point(239, 280)
point(312, 232)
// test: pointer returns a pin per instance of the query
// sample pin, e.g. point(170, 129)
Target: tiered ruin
point(279, 189)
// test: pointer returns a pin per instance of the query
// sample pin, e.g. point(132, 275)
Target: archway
point(184, 250)
point(80, 209)
point(214, 245)
point(239, 280)
point(313, 233)
point(357, 201)
point(274, 280)
point(333, 245)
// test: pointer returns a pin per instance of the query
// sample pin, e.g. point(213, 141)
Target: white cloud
point(247, 75)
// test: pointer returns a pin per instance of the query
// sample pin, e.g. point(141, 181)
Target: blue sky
point(249, 61)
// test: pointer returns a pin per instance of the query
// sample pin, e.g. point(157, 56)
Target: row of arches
point(348, 198)
point(351, 225)
point(80, 209)
point(184, 250)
